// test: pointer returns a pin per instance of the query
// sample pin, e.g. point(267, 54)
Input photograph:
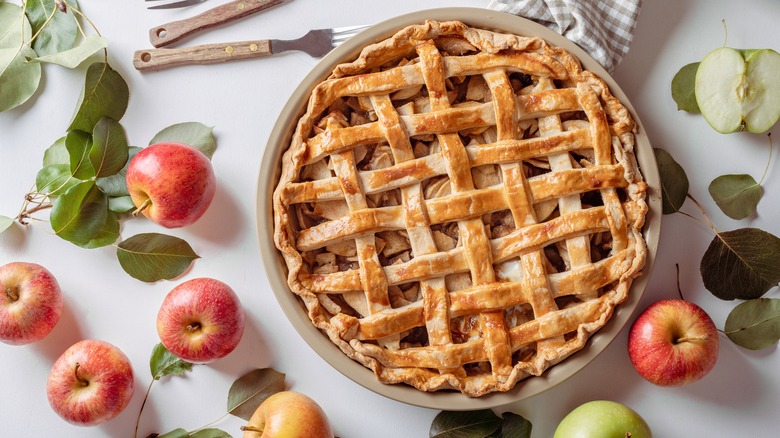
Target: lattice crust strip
point(461, 209)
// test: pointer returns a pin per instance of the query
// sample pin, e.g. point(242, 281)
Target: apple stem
point(691, 338)
point(83, 382)
point(251, 429)
point(147, 202)
point(12, 293)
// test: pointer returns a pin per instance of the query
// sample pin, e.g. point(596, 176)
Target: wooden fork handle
point(174, 31)
point(156, 59)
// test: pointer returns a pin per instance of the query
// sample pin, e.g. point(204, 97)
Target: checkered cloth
point(603, 28)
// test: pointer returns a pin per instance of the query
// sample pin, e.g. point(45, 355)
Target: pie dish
point(459, 208)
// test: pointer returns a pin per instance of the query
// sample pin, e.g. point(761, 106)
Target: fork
point(317, 43)
point(177, 4)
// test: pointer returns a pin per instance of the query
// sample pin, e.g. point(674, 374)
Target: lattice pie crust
point(461, 209)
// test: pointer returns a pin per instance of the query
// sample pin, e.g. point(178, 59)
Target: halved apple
point(738, 89)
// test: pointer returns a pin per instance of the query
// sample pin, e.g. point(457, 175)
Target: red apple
point(91, 383)
point(171, 183)
point(201, 320)
point(30, 303)
point(673, 343)
point(288, 414)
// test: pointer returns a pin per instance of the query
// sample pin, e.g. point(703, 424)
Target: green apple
point(603, 419)
point(738, 89)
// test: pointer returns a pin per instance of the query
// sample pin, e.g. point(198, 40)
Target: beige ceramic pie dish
point(276, 269)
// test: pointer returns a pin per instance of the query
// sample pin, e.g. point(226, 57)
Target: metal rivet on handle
point(229, 50)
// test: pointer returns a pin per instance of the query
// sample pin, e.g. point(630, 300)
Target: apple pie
point(461, 209)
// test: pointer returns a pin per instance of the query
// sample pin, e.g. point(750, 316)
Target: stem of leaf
point(703, 213)
point(146, 396)
point(48, 19)
point(768, 161)
point(76, 11)
point(679, 291)
point(209, 424)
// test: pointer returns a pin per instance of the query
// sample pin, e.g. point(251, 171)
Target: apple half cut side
point(739, 88)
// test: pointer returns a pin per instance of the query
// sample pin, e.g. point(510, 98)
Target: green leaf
point(108, 153)
point(754, 324)
point(684, 88)
point(55, 180)
point(72, 58)
point(60, 33)
point(79, 214)
point(116, 185)
point(57, 153)
point(105, 94)
point(741, 264)
point(210, 433)
point(195, 134)
point(14, 28)
point(176, 433)
point(736, 195)
point(19, 78)
point(120, 204)
point(78, 144)
point(450, 424)
point(151, 256)
point(107, 235)
point(513, 426)
point(5, 223)
point(164, 363)
point(674, 182)
point(251, 389)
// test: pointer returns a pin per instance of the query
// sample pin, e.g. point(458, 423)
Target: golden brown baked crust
point(461, 208)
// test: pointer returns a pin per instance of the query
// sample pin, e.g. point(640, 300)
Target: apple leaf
point(60, 33)
point(684, 88)
point(78, 144)
point(54, 180)
point(79, 214)
point(251, 389)
point(152, 256)
point(513, 426)
point(736, 195)
point(108, 153)
point(176, 433)
point(72, 58)
point(741, 264)
point(120, 204)
point(674, 182)
point(450, 424)
point(210, 433)
point(19, 78)
point(108, 233)
point(754, 324)
point(5, 223)
point(105, 93)
point(57, 153)
point(14, 28)
point(164, 363)
point(195, 134)
point(116, 185)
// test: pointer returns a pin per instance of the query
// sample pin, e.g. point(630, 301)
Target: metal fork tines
point(173, 5)
point(317, 42)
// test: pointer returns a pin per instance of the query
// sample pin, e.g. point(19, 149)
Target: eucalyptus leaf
point(14, 28)
point(736, 195)
point(72, 58)
point(19, 79)
point(674, 182)
point(60, 33)
point(55, 179)
point(684, 88)
point(195, 134)
point(78, 144)
point(79, 214)
point(108, 234)
point(57, 153)
point(105, 93)
point(164, 363)
point(513, 426)
point(469, 424)
point(120, 204)
point(5, 223)
point(210, 433)
point(741, 264)
point(251, 389)
point(152, 256)
point(754, 324)
point(176, 433)
point(116, 185)
point(108, 153)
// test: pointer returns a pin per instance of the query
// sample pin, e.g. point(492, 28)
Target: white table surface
point(242, 100)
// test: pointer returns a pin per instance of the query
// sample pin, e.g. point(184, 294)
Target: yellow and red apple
point(288, 414)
